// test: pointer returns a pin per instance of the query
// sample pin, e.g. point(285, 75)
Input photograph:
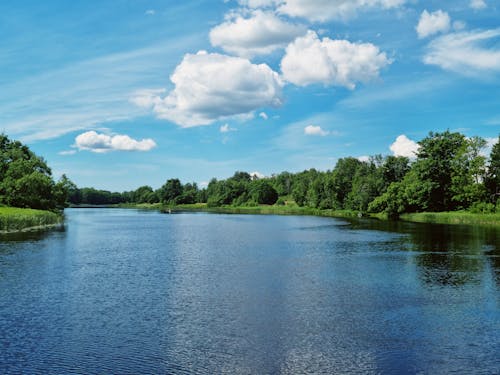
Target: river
point(134, 292)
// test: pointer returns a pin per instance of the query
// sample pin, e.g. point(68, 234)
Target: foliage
point(26, 180)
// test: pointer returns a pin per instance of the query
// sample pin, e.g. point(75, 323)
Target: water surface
point(125, 291)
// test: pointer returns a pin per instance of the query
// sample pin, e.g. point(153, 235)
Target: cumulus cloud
point(403, 146)
point(263, 115)
point(212, 86)
point(477, 4)
point(465, 53)
point(150, 12)
point(325, 10)
point(310, 60)
point(98, 142)
point(364, 158)
point(315, 130)
point(432, 23)
point(259, 34)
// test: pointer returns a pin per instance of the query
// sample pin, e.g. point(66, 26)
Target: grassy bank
point(456, 217)
point(20, 219)
point(264, 210)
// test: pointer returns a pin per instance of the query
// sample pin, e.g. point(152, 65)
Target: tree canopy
point(26, 180)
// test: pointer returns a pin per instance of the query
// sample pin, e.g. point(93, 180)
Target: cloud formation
point(309, 60)
point(259, 34)
point(403, 146)
point(465, 53)
point(212, 86)
point(100, 143)
point(315, 130)
point(432, 23)
point(477, 4)
point(322, 10)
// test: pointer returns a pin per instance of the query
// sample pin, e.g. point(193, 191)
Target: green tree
point(263, 192)
point(171, 190)
point(493, 175)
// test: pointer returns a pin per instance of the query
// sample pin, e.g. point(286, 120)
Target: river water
point(132, 292)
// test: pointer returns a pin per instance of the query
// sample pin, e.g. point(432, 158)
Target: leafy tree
point(25, 178)
point(171, 190)
point(493, 175)
point(263, 192)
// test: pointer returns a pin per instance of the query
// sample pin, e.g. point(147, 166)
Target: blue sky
point(119, 93)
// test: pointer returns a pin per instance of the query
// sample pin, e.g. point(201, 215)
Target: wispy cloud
point(85, 94)
point(466, 52)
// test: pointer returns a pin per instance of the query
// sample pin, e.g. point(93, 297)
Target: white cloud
point(226, 129)
point(147, 98)
point(464, 52)
point(211, 86)
point(150, 12)
point(324, 10)
point(95, 142)
point(259, 34)
point(432, 23)
point(263, 115)
point(403, 146)
point(315, 130)
point(477, 4)
point(364, 158)
point(310, 60)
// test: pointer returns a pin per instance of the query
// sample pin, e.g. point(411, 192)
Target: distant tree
point(171, 190)
point(493, 175)
point(263, 192)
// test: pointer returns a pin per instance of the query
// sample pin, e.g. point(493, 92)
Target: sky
point(117, 94)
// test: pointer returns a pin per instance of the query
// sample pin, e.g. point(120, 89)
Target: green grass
point(456, 217)
point(18, 219)
point(141, 206)
point(265, 210)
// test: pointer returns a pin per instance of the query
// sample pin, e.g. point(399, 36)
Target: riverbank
point(453, 218)
point(24, 219)
point(265, 210)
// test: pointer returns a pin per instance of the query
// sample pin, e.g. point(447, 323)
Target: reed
point(18, 219)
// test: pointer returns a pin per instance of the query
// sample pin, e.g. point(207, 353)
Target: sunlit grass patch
point(15, 219)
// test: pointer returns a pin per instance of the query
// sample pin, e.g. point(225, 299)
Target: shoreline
point(449, 218)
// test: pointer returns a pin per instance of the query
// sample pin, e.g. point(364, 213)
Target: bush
point(482, 208)
point(280, 202)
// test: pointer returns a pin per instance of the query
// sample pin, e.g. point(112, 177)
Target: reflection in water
point(446, 254)
point(123, 291)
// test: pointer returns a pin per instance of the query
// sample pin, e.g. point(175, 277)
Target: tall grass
point(17, 219)
point(456, 217)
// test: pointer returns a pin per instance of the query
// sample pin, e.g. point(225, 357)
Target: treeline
point(26, 181)
point(449, 173)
